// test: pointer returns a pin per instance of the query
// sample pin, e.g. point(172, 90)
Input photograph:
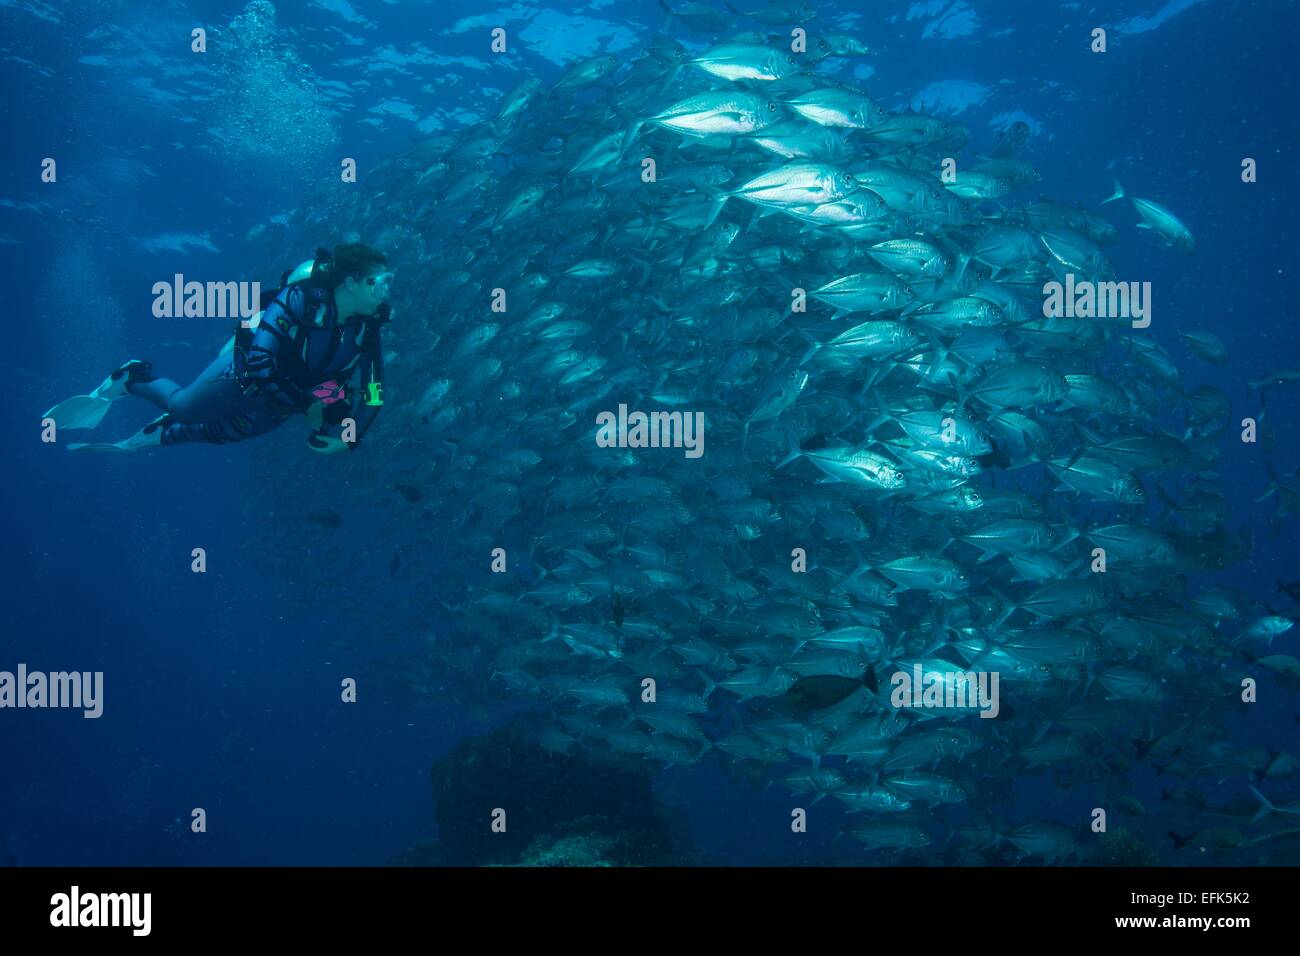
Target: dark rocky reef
point(561, 810)
point(1121, 848)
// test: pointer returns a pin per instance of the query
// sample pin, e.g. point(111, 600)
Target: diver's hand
point(326, 445)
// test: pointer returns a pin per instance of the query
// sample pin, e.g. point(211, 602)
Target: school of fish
point(905, 462)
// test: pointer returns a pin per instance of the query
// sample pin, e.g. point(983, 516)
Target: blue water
point(217, 696)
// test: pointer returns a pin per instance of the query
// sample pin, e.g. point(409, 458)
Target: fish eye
point(771, 107)
point(944, 127)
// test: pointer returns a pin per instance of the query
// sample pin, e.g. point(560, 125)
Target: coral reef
point(560, 810)
point(1121, 848)
point(587, 849)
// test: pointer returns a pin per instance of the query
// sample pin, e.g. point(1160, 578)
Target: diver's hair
point(355, 260)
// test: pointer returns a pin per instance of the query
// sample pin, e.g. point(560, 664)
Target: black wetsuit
point(299, 345)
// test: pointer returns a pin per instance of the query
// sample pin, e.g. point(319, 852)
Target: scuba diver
point(314, 334)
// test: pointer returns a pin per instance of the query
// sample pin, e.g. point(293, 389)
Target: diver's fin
point(148, 437)
point(97, 446)
point(87, 411)
point(79, 411)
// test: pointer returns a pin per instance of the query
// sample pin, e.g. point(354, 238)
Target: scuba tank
point(310, 270)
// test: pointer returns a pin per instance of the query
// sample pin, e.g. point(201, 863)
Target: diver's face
point(374, 290)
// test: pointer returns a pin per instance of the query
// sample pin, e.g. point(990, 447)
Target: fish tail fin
point(813, 346)
point(1008, 608)
point(646, 268)
point(1179, 841)
point(1086, 435)
point(1265, 808)
point(862, 568)
point(963, 396)
point(884, 415)
point(634, 124)
point(795, 450)
point(1274, 484)
point(1041, 732)
point(963, 261)
point(715, 207)
point(1170, 505)
point(709, 685)
point(1117, 194)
